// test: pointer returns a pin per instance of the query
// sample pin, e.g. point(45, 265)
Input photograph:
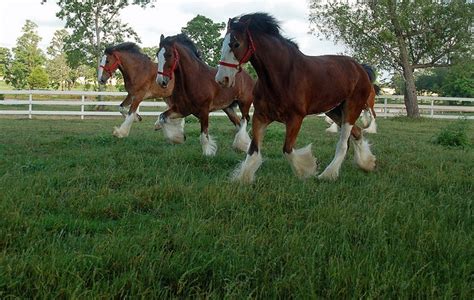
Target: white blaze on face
point(161, 64)
point(101, 69)
point(227, 56)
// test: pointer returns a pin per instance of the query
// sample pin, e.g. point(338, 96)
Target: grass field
point(85, 215)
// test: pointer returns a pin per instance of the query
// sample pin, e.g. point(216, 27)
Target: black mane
point(261, 23)
point(185, 41)
point(126, 47)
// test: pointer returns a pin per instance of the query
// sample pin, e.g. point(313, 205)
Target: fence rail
point(390, 105)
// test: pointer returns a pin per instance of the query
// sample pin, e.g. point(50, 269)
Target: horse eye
point(234, 45)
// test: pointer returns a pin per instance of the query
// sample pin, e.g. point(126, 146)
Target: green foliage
point(57, 65)
point(27, 56)
point(206, 35)
point(453, 135)
point(459, 81)
point(38, 79)
point(84, 215)
point(434, 32)
point(5, 60)
point(94, 25)
point(151, 52)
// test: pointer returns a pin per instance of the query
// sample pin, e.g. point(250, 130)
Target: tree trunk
point(411, 100)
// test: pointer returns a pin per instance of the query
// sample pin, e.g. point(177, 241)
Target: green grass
point(86, 215)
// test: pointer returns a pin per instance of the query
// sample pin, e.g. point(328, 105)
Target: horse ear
point(162, 37)
point(228, 23)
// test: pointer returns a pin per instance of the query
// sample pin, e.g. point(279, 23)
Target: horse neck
point(188, 67)
point(131, 66)
point(273, 58)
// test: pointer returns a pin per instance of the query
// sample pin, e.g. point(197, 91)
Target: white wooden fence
point(392, 105)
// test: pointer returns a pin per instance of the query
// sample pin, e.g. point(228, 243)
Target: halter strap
point(112, 68)
point(170, 72)
point(250, 51)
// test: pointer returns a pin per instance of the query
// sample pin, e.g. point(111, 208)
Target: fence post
point(82, 107)
point(30, 106)
point(432, 108)
point(385, 107)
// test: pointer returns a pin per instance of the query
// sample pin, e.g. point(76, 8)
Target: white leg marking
point(173, 129)
point(366, 117)
point(209, 146)
point(362, 154)
point(245, 171)
point(124, 129)
point(333, 128)
point(372, 127)
point(242, 139)
point(332, 171)
point(302, 162)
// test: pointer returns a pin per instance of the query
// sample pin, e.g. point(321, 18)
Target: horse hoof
point(118, 133)
point(328, 175)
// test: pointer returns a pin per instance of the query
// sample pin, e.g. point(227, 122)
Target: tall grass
point(86, 215)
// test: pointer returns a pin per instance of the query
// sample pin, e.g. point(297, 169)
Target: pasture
point(86, 215)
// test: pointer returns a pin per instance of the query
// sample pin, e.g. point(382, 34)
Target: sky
point(168, 17)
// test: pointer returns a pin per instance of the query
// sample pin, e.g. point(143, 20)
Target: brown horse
point(195, 92)
point(139, 74)
point(292, 85)
point(368, 116)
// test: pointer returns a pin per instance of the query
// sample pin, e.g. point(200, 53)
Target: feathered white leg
point(362, 154)
point(124, 129)
point(209, 146)
point(242, 139)
point(372, 127)
point(302, 162)
point(173, 129)
point(245, 171)
point(332, 171)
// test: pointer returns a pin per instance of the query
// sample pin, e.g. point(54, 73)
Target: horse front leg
point(301, 160)
point(124, 129)
point(245, 171)
point(173, 126)
point(209, 146)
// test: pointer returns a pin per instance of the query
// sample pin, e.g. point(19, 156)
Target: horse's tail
point(377, 89)
point(370, 71)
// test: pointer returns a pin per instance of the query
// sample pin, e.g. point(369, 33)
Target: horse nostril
point(226, 79)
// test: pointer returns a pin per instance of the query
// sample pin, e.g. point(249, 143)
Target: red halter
point(112, 68)
point(250, 50)
point(170, 72)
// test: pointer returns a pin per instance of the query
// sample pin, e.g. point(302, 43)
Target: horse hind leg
point(301, 160)
point(241, 140)
point(371, 125)
point(363, 156)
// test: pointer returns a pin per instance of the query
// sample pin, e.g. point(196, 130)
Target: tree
point(400, 35)
point(27, 56)
point(94, 24)
point(459, 81)
point(5, 60)
point(38, 78)
point(151, 52)
point(206, 35)
point(57, 66)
